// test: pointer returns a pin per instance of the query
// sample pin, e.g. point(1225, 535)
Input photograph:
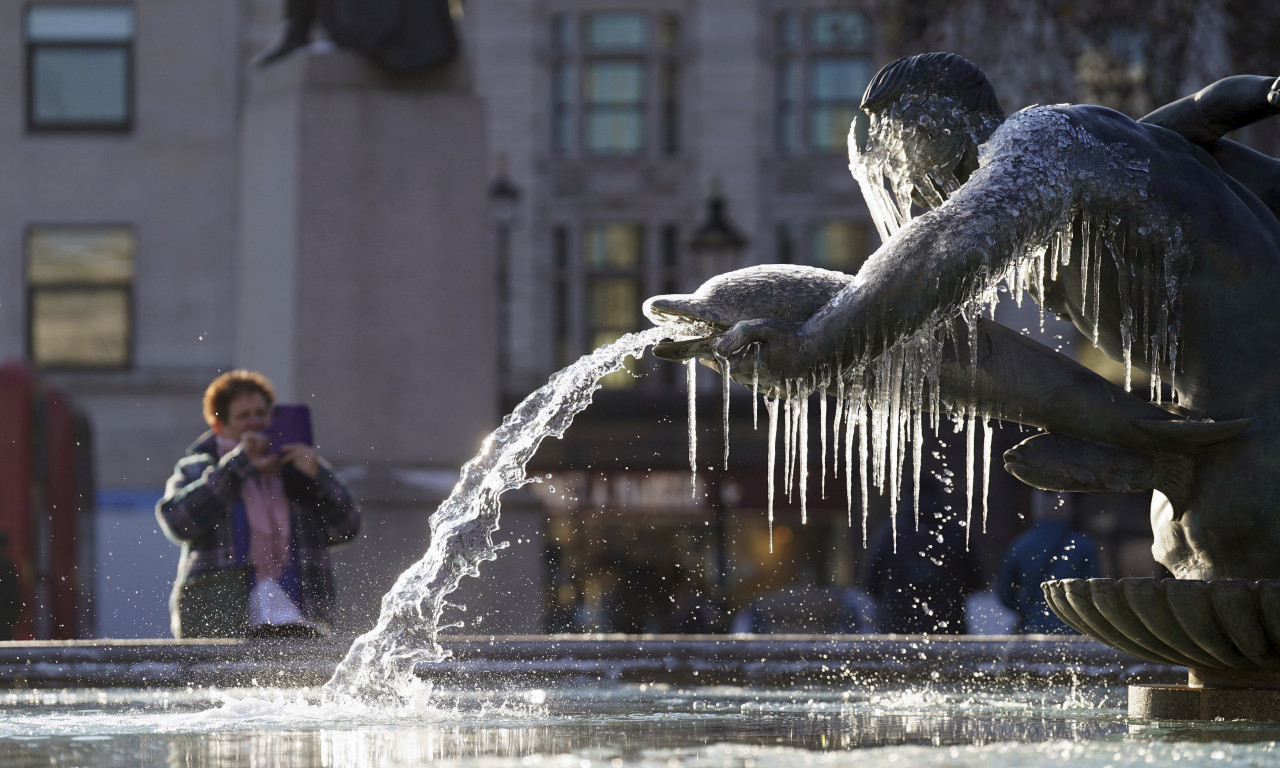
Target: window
point(823, 69)
point(79, 67)
point(613, 255)
point(79, 296)
point(1112, 71)
point(841, 245)
point(610, 70)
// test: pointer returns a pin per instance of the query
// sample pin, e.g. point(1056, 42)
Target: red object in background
point(44, 496)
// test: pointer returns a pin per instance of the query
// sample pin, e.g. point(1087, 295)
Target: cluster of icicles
point(882, 408)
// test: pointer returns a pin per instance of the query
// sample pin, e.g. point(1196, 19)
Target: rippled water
point(617, 725)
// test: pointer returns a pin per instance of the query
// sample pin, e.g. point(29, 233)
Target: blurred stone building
point(169, 212)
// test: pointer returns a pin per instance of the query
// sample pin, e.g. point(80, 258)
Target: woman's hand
point(257, 447)
point(302, 457)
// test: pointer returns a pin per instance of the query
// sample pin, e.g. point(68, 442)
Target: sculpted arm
point(924, 274)
point(1206, 116)
point(1219, 108)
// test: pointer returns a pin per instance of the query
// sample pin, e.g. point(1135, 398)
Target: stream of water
point(378, 669)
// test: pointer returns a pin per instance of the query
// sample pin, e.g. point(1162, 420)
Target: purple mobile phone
point(290, 424)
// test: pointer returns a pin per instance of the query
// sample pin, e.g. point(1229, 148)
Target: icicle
point(1093, 280)
point(969, 436)
point(803, 481)
point(894, 418)
point(987, 437)
point(849, 425)
point(691, 382)
point(917, 459)
point(725, 380)
point(973, 349)
point(1038, 294)
point(755, 390)
point(788, 440)
point(862, 475)
point(837, 420)
point(771, 407)
point(822, 440)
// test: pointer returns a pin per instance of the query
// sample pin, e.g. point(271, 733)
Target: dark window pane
point(838, 29)
point(562, 32)
point(789, 79)
point(670, 128)
point(788, 30)
point(668, 32)
point(79, 281)
point(614, 131)
point(87, 327)
point(613, 247)
point(617, 31)
point(829, 126)
point(80, 23)
point(562, 83)
point(839, 79)
point(835, 90)
point(614, 302)
point(670, 246)
point(79, 86)
point(839, 245)
point(562, 131)
point(786, 247)
point(79, 255)
point(789, 129)
point(614, 82)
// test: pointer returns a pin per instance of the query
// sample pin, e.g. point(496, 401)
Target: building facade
point(127, 215)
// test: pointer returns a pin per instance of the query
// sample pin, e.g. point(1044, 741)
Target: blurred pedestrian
point(1050, 549)
point(922, 579)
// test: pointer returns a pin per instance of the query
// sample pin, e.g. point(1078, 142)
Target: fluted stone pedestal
point(1227, 633)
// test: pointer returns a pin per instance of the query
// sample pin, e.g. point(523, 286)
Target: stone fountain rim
point(1212, 626)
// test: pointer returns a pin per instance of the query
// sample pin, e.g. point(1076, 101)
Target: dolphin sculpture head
point(782, 292)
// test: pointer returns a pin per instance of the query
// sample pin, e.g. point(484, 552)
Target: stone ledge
point(542, 659)
point(1183, 702)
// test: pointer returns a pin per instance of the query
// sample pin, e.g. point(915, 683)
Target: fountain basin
point(1227, 633)
point(778, 700)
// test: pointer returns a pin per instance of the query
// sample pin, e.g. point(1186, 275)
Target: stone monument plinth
point(366, 288)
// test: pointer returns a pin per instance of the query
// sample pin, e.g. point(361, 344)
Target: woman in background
point(255, 523)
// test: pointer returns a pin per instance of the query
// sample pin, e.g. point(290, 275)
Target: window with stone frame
point(823, 67)
point(839, 244)
point(80, 296)
point(615, 79)
point(79, 60)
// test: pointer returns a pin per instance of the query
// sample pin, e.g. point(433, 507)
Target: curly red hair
point(230, 385)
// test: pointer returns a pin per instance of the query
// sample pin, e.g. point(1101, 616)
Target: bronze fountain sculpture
point(1160, 241)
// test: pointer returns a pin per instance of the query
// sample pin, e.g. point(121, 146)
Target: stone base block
point(1184, 702)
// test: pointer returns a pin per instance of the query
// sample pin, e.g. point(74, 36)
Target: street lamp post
point(717, 246)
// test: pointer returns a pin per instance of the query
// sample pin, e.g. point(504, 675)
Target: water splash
point(378, 669)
